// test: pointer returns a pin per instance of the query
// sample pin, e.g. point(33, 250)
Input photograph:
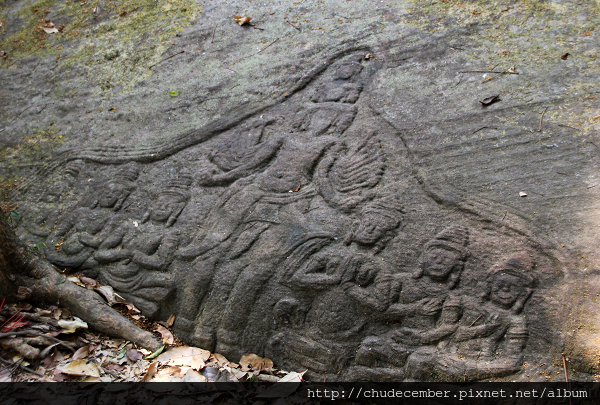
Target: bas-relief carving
point(302, 219)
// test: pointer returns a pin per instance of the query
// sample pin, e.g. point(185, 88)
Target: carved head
point(171, 200)
point(117, 190)
point(53, 194)
point(378, 218)
point(509, 283)
point(445, 255)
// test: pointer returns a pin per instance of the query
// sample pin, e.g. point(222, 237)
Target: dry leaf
point(167, 336)
point(92, 379)
point(72, 326)
point(48, 27)
point(564, 56)
point(194, 376)
point(219, 359)
point(134, 355)
point(522, 194)
point(185, 356)
point(490, 100)
point(88, 281)
point(75, 280)
point(107, 292)
point(283, 390)
point(151, 371)
point(171, 320)
point(81, 368)
point(5, 375)
point(241, 20)
point(255, 362)
point(81, 353)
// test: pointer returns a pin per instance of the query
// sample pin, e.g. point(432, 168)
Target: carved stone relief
point(305, 234)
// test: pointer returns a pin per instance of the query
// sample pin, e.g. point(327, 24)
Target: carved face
point(506, 290)
point(371, 228)
point(162, 209)
point(112, 193)
point(439, 263)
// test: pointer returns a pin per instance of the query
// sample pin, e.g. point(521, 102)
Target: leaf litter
point(61, 348)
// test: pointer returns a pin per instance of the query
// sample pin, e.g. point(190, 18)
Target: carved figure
point(491, 335)
point(427, 308)
point(40, 217)
point(348, 288)
point(80, 232)
point(138, 255)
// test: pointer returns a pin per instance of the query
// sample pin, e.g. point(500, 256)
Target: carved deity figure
point(137, 255)
point(427, 309)
point(346, 289)
point(40, 217)
point(80, 232)
point(491, 334)
point(271, 180)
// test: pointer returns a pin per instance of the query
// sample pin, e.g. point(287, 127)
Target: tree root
point(32, 277)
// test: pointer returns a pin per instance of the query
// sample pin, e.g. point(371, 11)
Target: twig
point(483, 128)
point(566, 126)
point(541, 118)
point(290, 23)
point(504, 215)
point(213, 35)
point(591, 186)
point(475, 321)
point(267, 46)
point(565, 367)
point(150, 67)
point(564, 174)
point(483, 71)
point(255, 27)
point(19, 365)
point(593, 144)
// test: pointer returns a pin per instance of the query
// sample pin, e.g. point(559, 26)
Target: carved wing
point(346, 182)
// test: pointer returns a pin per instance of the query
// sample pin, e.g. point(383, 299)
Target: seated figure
point(138, 255)
point(491, 335)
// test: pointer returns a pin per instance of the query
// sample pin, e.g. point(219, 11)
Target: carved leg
point(374, 349)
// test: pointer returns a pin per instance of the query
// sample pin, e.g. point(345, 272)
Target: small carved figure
point(80, 232)
point(491, 335)
point(428, 310)
point(378, 219)
point(348, 288)
point(138, 255)
point(40, 217)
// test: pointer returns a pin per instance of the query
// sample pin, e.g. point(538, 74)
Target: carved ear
point(175, 214)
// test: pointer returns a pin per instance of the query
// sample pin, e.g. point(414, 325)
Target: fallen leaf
point(171, 320)
point(5, 375)
point(586, 34)
point(167, 336)
point(156, 353)
point(475, 12)
point(185, 356)
point(564, 56)
point(92, 379)
point(522, 194)
point(241, 20)
point(194, 376)
point(490, 100)
point(88, 281)
point(151, 371)
point(75, 280)
point(219, 359)
point(81, 353)
point(174, 93)
point(255, 362)
point(512, 70)
point(107, 292)
point(72, 326)
point(49, 27)
point(81, 368)
point(278, 390)
point(133, 355)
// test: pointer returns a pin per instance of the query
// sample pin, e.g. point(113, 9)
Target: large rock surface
point(324, 187)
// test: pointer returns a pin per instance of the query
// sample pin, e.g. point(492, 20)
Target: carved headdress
point(125, 176)
point(454, 238)
point(178, 190)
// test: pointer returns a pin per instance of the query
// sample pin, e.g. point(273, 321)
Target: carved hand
point(207, 177)
point(430, 306)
